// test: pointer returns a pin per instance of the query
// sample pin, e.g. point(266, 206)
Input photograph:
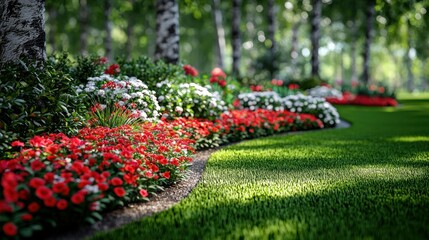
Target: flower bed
point(59, 179)
point(363, 100)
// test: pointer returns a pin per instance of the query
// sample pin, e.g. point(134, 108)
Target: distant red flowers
point(277, 82)
point(348, 99)
point(293, 86)
point(257, 88)
point(191, 71)
point(218, 76)
point(113, 69)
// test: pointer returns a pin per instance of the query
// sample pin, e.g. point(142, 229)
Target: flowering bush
point(189, 100)
point(218, 76)
point(57, 179)
point(256, 100)
point(364, 100)
point(129, 92)
point(242, 124)
point(324, 92)
point(317, 106)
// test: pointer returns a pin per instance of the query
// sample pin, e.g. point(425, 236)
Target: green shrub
point(149, 71)
point(37, 99)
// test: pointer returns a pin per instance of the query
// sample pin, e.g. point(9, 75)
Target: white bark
point(167, 26)
point(220, 34)
point(236, 37)
point(316, 15)
point(108, 27)
point(22, 30)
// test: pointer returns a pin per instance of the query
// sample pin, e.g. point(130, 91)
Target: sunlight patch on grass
point(410, 139)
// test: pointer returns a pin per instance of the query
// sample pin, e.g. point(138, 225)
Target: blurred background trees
point(369, 40)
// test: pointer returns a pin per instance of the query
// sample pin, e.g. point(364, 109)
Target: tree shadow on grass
point(374, 209)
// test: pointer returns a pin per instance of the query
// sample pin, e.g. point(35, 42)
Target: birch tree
point(22, 30)
point(167, 28)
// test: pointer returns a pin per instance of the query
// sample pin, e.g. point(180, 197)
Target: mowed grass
point(370, 181)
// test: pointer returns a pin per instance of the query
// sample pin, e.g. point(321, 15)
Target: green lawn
point(370, 181)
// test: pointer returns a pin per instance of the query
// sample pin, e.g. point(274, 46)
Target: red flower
point(10, 229)
point(103, 186)
point(37, 165)
point(36, 182)
point(101, 61)
point(166, 175)
point(17, 144)
point(78, 197)
point(143, 193)
point(49, 177)
point(293, 86)
point(113, 69)
point(222, 83)
point(24, 194)
point(44, 192)
point(119, 191)
point(189, 70)
point(62, 204)
point(50, 202)
point(33, 207)
point(61, 188)
point(26, 217)
point(116, 181)
point(5, 207)
point(213, 79)
point(217, 72)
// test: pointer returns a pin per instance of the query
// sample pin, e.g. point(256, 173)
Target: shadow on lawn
point(380, 209)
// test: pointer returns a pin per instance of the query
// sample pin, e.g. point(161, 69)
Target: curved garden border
point(160, 202)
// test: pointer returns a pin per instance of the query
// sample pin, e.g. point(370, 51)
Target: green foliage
point(149, 71)
point(86, 67)
point(369, 181)
point(37, 99)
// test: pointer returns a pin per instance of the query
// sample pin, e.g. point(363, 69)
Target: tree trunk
point(83, 24)
point(315, 17)
point(353, 52)
point(22, 30)
point(272, 25)
point(52, 13)
point(220, 34)
point(408, 60)
point(130, 32)
point(167, 28)
point(295, 47)
point(108, 27)
point(370, 15)
point(236, 37)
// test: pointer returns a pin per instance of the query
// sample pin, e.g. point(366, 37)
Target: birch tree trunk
point(167, 28)
point(353, 52)
point(108, 28)
point(295, 47)
point(22, 30)
point(272, 25)
point(408, 60)
point(130, 32)
point(83, 24)
point(370, 15)
point(315, 17)
point(236, 37)
point(220, 34)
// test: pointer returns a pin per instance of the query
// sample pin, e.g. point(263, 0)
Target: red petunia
point(222, 83)
point(143, 193)
point(33, 207)
point(119, 191)
point(50, 202)
point(217, 72)
point(17, 144)
point(62, 204)
point(37, 165)
point(113, 69)
point(78, 198)
point(10, 229)
point(103, 186)
point(36, 182)
point(49, 177)
point(116, 181)
point(26, 217)
point(44, 192)
point(166, 175)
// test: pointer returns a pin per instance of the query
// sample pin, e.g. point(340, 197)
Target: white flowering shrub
point(323, 110)
point(188, 100)
point(264, 100)
point(129, 92)
point(324, 92)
